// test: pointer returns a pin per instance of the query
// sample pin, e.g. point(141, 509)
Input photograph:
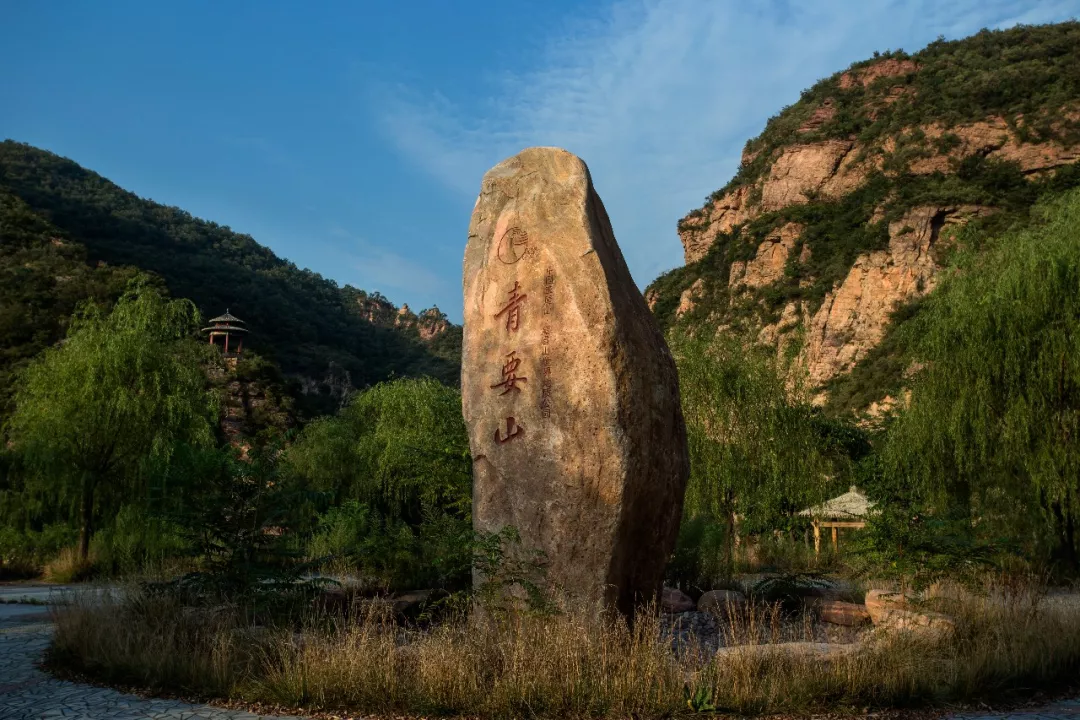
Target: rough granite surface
point(569, 391)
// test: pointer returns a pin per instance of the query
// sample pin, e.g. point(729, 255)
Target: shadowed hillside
point(305, 322)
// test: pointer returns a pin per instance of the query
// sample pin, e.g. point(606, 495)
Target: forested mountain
point(846, 207)
point(43, 276)
point(66, 230)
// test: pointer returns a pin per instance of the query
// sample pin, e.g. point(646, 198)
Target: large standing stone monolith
point(569, 391)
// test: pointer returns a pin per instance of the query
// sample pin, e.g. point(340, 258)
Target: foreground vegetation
point(567, 664)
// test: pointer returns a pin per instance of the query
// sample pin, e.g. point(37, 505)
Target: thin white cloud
point(659, 96)
point(375, 268)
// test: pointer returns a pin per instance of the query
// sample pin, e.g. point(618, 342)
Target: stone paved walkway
point(1065, 710)
point(28, 693)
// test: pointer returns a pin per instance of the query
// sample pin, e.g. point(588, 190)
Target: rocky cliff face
point(253, 400)
point(844, 208)
point(833, 168)
point(853, 317)
point(377, 310)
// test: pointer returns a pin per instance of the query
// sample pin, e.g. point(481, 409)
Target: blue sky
point(350, 137)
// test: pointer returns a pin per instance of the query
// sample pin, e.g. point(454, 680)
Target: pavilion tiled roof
point(228, 318)
point(227, 322)
point(852, 504)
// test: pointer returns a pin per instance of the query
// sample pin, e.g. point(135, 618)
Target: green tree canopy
point(994, 421)
point(758, 449)
point(397, 447)
point(120, 390)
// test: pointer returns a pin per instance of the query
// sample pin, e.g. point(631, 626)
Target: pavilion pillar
point(834, 538)
point(817, 538)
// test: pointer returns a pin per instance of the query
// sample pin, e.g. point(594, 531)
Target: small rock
point(675, 601)
point(409, 605)
point(878, 602)
point(689, 630)
point(842, 613)
point(717, 602)
point(932, 624)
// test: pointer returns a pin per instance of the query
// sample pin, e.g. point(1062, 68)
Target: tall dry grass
point(68, 566)
point(567, 665)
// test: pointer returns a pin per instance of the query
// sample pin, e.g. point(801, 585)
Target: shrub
point(390, 554)
point(69, 566)
point(28, 551)
point(137, 540)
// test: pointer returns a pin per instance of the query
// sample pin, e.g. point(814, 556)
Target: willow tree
point(398, 447)
point(120, 391)
point(994, 422)
point(757, 450)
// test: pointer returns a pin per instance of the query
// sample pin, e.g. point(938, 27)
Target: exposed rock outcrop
point(431, 323)
point(823, 114)
point(992, 138)
point(914, 140)
point(689, 297)
point(377, 310)
point(768, 264)
point(852, 319)
point(831, 169)
point(805, 171)
point(890, 67)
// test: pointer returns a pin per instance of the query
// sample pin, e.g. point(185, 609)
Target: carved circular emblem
point(513, 246)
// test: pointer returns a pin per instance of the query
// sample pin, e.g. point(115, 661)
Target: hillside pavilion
point(227, 331)
point(846, 511)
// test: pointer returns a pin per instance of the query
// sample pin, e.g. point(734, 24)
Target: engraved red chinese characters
point(510, 378)
point(512, 309)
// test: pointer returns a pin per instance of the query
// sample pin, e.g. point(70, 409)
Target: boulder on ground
point(894, 611)
point(836, 612)
point(675, 601)
point(718, 602)
point(878, 602)
point(569, 391)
